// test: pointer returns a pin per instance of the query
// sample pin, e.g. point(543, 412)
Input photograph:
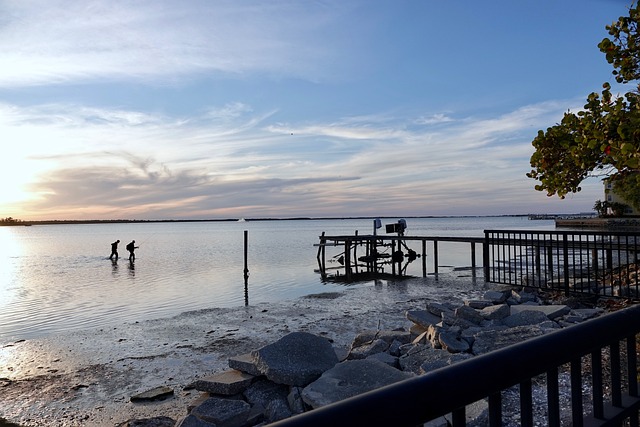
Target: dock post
point(321, 257)
point(347, 259)
point(355, 252)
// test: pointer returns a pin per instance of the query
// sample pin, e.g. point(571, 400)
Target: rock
point(551, 311)
point(438, 309)
point(476, 414)
point(587, 313)
point(422, 318)
point(147, 422)
point(262, 392)
point(385, 358)
point(451, 343)
point(348, 379)
point(227, 383)
point(468, 313)
point(495, 312)
point(478, 303)
point(296, 359)
point(523, 318)
point(223, 412)
point(158, 393)
point(416, 331)
point(420, 354)
point(486, 341)
point(368, 337)
point(362, 352)
point(197, 401)
point(523, 296)
point(445, 359)
point(244, 363)
point(193, 421)
point(394, 348)
point(433, 336)
point(497, 297)
point(294, 398)
point(277, 410)
point(452, 320)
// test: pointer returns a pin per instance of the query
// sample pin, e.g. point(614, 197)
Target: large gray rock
point(226, 383)
point(193, 421)
point(145, 422)
point(526, 317)
point(366, 350)
point(438, 308)
point(551, 311)
point(413, 359)
point(422, 317)
point(469, 313)
point(445, 359)
point(486, 341)
point(244, 363)
point(295, 359)
point(223, 412)
point(367, 337)
point(348, 379)
point(262, 392)
point(497, 297)
point(495, 312)
point(452, 343)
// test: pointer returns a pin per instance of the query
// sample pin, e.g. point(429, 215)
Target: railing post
point(565, 249)
point(473, 258)
point(424, 258)
point(485, 257)
point(435, 258)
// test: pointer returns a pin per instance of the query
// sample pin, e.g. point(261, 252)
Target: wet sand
point(87, 378)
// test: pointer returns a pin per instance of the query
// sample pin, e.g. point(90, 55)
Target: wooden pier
point(365, 256)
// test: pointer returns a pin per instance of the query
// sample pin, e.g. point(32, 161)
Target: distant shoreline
point(135, 221)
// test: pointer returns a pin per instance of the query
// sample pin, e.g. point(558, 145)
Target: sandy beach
point(87, 378)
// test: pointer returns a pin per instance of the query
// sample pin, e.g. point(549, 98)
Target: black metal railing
point(599, 356)
point(591, 262)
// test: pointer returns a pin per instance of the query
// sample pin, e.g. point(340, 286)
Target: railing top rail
point(416, 400)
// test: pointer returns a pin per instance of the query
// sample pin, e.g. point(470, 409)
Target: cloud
point(56, 41)
point(232, 160)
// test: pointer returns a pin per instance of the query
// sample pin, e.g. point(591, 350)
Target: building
point(610, 196)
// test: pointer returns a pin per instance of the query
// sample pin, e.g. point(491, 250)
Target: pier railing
point(367, 255)
point(598, 356)
point(585, 262)
point(602, 263)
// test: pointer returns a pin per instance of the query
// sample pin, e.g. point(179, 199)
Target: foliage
point(604, 138)
point(604, 209)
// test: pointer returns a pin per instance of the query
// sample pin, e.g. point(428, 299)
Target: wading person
point(114, 250)
point(131, 247)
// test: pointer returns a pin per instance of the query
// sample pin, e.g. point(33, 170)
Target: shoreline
point(88, 377)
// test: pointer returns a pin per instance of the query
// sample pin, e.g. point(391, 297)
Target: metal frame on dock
point(371, 243)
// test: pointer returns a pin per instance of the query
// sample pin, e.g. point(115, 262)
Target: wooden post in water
point(246, 268)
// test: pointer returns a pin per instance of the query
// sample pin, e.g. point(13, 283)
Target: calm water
point(59, 278)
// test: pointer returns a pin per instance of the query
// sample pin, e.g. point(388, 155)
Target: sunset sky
point(199, 109)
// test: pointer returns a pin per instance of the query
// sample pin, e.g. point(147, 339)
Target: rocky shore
point(251, 365)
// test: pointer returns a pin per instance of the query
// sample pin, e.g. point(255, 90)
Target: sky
point(210, 109)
